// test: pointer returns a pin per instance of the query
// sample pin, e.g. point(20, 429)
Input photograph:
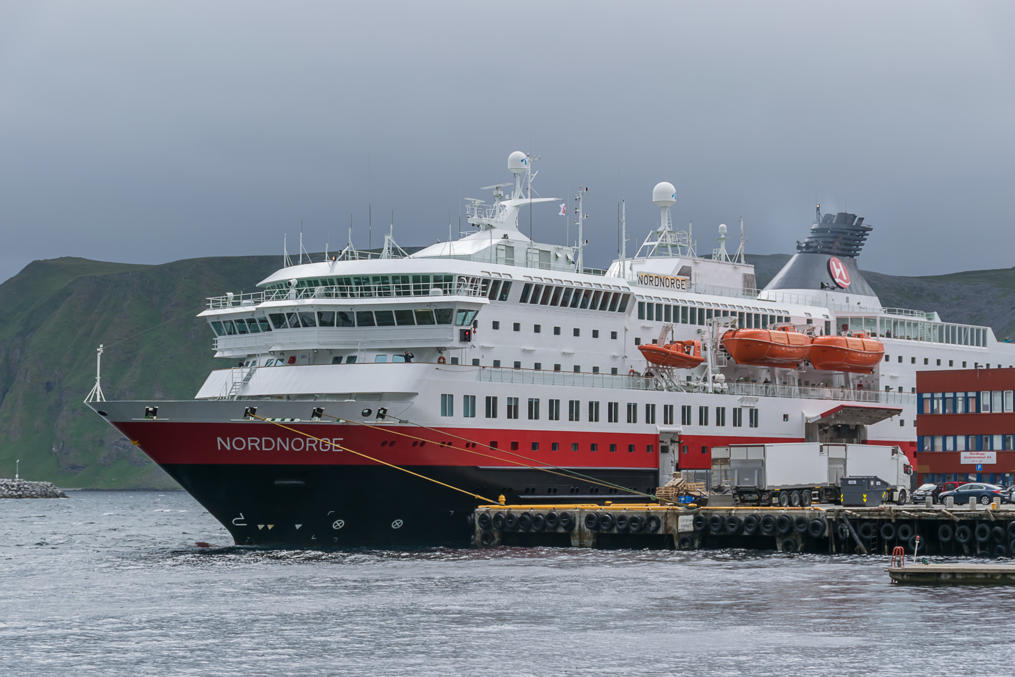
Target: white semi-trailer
point(794, 474)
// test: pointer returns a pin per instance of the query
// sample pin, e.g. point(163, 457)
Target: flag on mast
point(563, 209)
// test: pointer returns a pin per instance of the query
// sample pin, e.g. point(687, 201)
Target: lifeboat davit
point(857, 353)
point(680, 354)
point(767, 347)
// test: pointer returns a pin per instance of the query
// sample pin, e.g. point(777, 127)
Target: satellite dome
point(518, 162)
point(722, 228)
point(664, 194)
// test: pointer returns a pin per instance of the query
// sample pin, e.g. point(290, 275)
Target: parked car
point(949, 486)
point(924, 490)
point(1009, 494)
point(983, 493)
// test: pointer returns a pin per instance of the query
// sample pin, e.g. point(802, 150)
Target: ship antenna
point(623, 236)
point(286, 261)
point(370, 226)
point(95, 395)
point(301, 241)
point(817, 213)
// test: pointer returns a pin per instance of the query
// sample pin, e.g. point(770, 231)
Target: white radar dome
point(517, 162)
point(664, 194)
point(722, 228)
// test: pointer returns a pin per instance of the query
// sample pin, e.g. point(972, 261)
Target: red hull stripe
point(170, 442)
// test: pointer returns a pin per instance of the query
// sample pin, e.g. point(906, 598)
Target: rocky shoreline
point(25, 489)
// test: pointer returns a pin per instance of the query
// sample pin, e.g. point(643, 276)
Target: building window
point(577, 331)
point(630, 448)
point(533, 408)
point(556, 367)
point(517, 326)
point(612, 412)
point(650, 413)
point(613, 371)
point(556, 331)
point(447, 405)
point(469, 406)
point(593, 412)
point(595, 370)
point(512, 407)
point(720, 416)
point(514, 445)
point(702, 415)
point(495, 324)
point(752, 417)
point(574, 446)
point(593, 447)
point(491, 406)
point(595, 333)
point(475, 362)
point(535, 446)
point(632, 412)
point(613, 447)
point(496, 364)
point(613, 335)
point(536, 329)
point(667, 414)
point(554, 446)
point(738, 417)
point(518, 364)
point(685, 414)
point(554, 409)
point(573, 410)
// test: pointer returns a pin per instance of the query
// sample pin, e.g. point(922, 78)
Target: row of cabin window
point(571, 297)
point(554, 411)
point(951, 363)
point(965, 443)
point(979, 402)
point(342, 318)
point(682, 314)
point(538, 329)
point(383, 285)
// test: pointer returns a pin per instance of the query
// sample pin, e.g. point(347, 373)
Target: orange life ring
point(441, 360)
point(632, 372)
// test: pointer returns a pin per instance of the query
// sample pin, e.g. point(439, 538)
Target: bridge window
point(405, 318)
point(423, 316)
point(364, 318)
point(344, 319)
point(444, 316)
point(385, 318)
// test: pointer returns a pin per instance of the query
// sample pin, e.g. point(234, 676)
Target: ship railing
point(566, 378)
point(909, 312)
point(639, 382)
point(819, 393)
point(360, 291)
point(715, 290)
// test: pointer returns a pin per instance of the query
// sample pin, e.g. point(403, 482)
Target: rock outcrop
point(26, 489)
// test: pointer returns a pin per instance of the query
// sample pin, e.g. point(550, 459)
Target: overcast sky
point(149, 132)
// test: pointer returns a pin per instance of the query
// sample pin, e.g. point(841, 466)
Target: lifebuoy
point(441, 359)
point(631, 372)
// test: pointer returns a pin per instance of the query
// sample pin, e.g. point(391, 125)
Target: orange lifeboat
point(781, 347)
point(680, 354)
point(857, 353)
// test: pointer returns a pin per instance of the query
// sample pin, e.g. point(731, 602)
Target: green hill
point(54, 313)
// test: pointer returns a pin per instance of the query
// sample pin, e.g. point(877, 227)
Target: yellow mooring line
point(375, 460)
point(553, 470)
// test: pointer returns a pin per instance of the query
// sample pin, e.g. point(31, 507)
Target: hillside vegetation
point(54, 313)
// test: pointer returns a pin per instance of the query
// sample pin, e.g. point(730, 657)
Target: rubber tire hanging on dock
point(800, 524)
point(767, 525)
point(904, 532)
point(622, 523)
point(817, 528)
point(982, 532)
point(733, 525)
point(750, 525)
point(551, 520)
point(538, 522)
point(963, 534)
point(716, 524)
point(567, 522)
point(498, 521)
point(592, 521)
point(510, 522)
point(525, 521)
point(867, 531)
point(484, 520)
point(945, 533)
point(789, 544)
point(887, 531)
point(652, 524)
point(635, 524)
point(700, 522)
point(606, 521)
point(783, 524)
point(486, 537)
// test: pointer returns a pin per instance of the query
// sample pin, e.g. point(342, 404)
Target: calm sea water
point(111, 583)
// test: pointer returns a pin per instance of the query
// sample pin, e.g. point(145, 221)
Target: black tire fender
point(552, 521)
point(963, 534)
point(592, 521)
point(486, 537)
point(700, 522)
point(606, 521)
point(652, 524)
point(567, 521)
point(484, 520)
point(734, 525)
point(905, 531)
point(783, 524)
point(716, 523)
point(538, 522)
point(800, 524)
point(982, 532)
point(510, 522)
point(751, 525)
point(945, 533)
point(635, 524)
point(887, 531)
point(867, 531)
point(767, 525)
point(817, 528)
point(622, 523)
point(789, 544)
point(525, 521)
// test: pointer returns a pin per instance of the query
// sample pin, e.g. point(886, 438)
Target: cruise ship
point(375, 399)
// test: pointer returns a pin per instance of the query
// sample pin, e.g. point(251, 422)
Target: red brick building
point(965, 425)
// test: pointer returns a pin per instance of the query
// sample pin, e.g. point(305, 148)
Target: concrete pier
point(969, 530)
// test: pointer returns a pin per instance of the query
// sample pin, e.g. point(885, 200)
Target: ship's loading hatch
point(846, 423)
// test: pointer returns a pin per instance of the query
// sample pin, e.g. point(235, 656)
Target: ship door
point(669, 452)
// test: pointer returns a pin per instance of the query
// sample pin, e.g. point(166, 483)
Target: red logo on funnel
point(837, 269)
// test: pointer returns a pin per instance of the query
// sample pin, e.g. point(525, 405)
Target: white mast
point(623, 237)
point(580, 215)
point(95, 394)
